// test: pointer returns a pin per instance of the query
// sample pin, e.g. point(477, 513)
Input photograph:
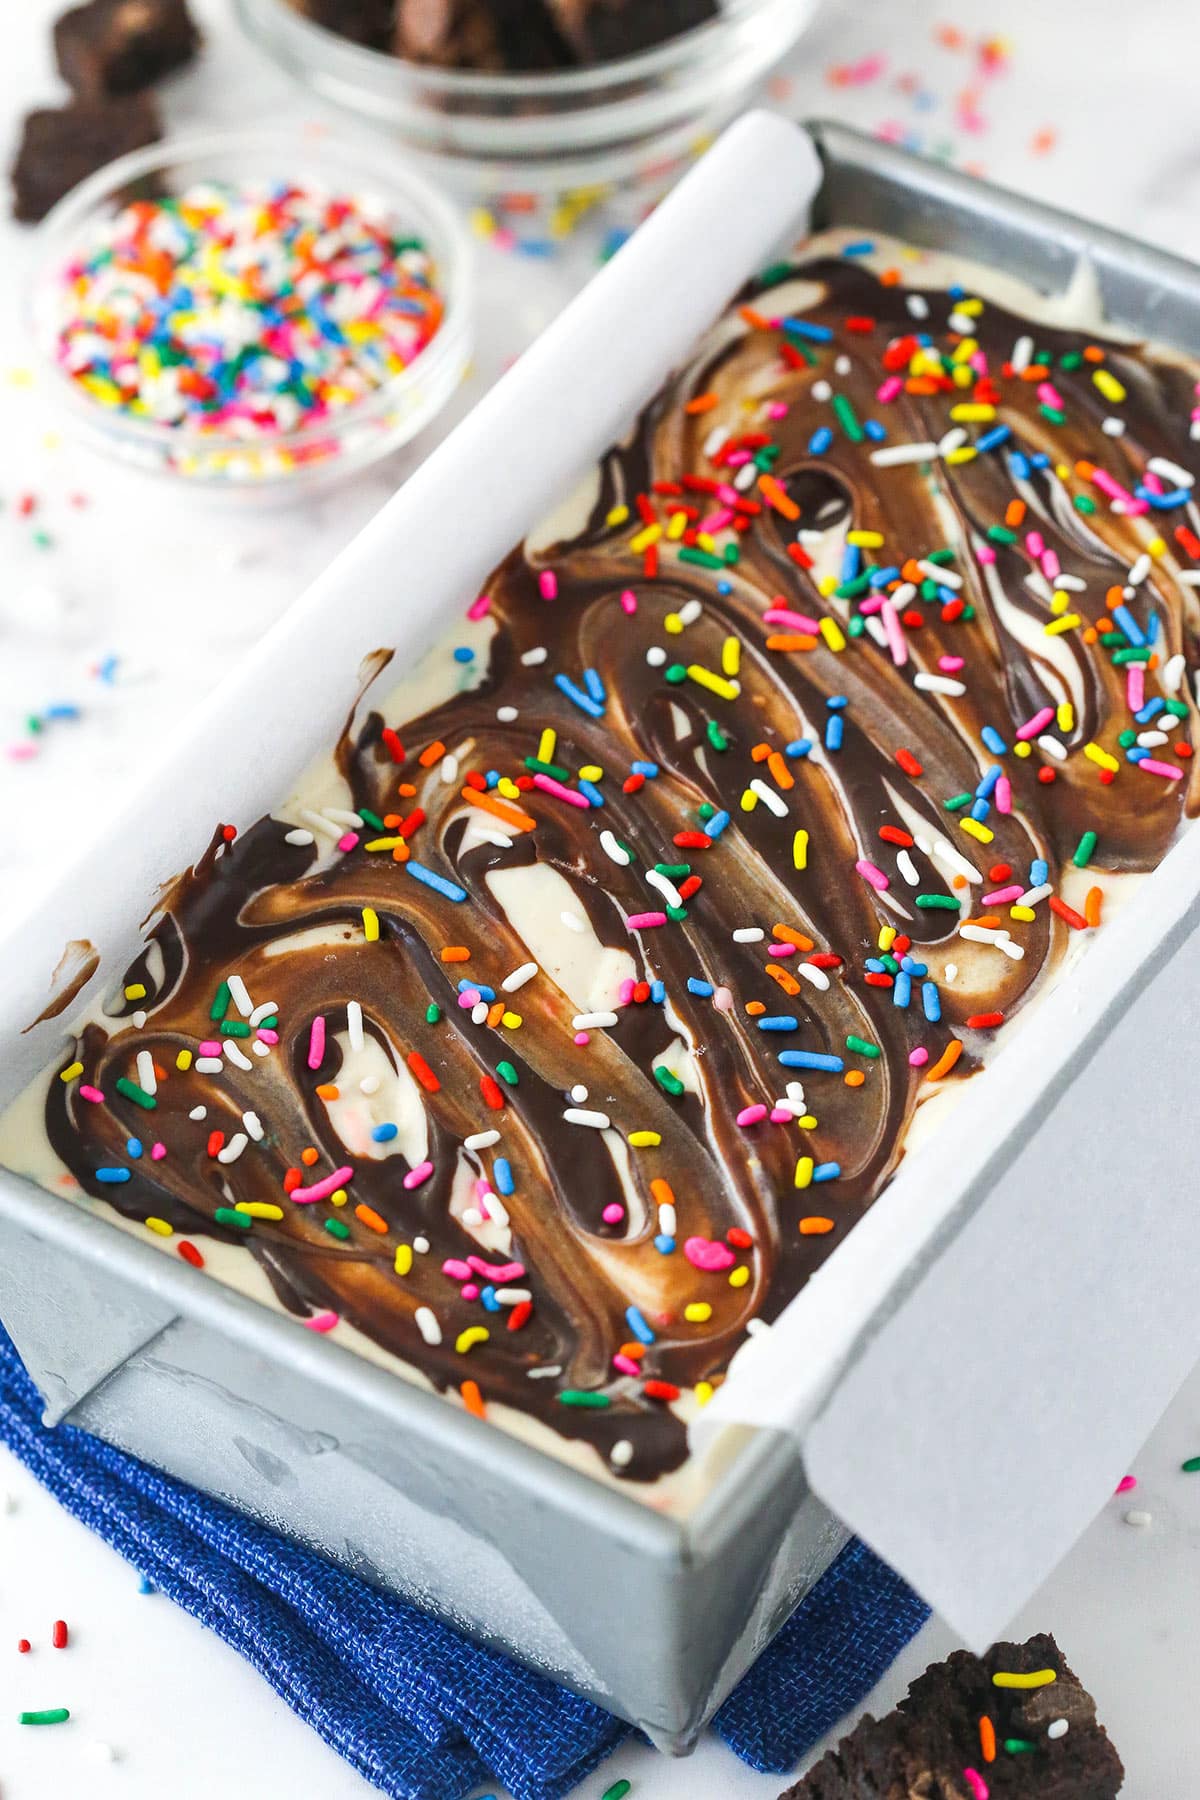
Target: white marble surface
point(175, 591)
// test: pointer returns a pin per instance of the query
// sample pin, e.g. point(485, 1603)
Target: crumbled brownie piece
point(518, 35)
point(367, 22)
point(479, 34)
point(960, 1736)
point(60, 145)
point(602, 30)
point(111, 47)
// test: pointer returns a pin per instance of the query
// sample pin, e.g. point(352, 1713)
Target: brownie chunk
point(480, 34)
point(111, 47)
point(602, 30)
point(517, 35)
point(958, 1736)
point(367, 22)
point(60, 145)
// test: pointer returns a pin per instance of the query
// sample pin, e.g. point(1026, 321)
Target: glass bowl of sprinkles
point(252, 310)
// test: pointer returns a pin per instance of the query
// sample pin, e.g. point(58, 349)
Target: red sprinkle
point(423, 1072)
point(660, 1390)
point(520, 1314)
point(59, 1635)
point(909, 763)
point(489, 1087)
point(216, 1142)
point(1075, 920)
point(800, 555)
point(292, 1178)
point(741, 1240)
point(189, 1253)
point(985, 1021)
point(692, 840)
point(892, 834)
point(392, 740)
point(24, 1646)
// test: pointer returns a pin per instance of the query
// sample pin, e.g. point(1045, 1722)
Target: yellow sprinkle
point(648, 535)
point(739, 1277)
point(704, 1392)
point(971, 308)
point(466, 1340)
point(1022, 749)
point(259, 1209)
point(1025, 914)
point(69, 1073)
point(673, 623)
point(866, 540)
point(511, 1021)
point(965, 351)
point(698, 1313)
point(707, 541)
point(370, 919)
point(826, 585)
point(1059, 601)
point(1157, 546)
point(589, 771)
point(807, 1122)
point(887, 936)
point(1095, 753)
point(160, 1228)
point(1065, 717)
point(338, 1197)
point(965, 454)
point(804, 1171)
point(678, 525)
point(483, 223)
point(731, 656)
point(136, 990)
point(962, 376)
point(508, 788)
point(384, 843)
point(645, 1140)
point(800, 850)
point(547, 744)
point(925, 363)
point(1056, 627)
point(973, 828)
point(1038, 1678)
point(749, 800)
point(714, 684)
point(404, 1259)
point(617, 516)
point(184, 1060)
point(972, 412)
point(1108, 384)
point(833, 634)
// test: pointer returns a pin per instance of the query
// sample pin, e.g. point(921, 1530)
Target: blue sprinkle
point(811, 1059)
point(591, 792)
point(62, 709)
point(931, 1000)
point(648, 769)
point(112, 1176)
point(874, 965)
point(716, 824)
point(992, 440)
point(902, 990)
point(1152, 628)
point(1136, 755)
point(987, 785)
point(724, 587)
point(477, 987)
point(133, 1147)
point(851, 562)
point(827, 1171)
point(837, 702)
point(957, 291)
point(874, 430)
point(882, 577)
point(797, 747)
point(1129, 625)
point(1039, 872)
point(490, 1302)
point(980, 810)
point(464, 654)
point(503, 1175)
point(1040, 460)
point(1150, 711)
point(594, 685)
point(658, 992)
point(1164, 502)
point(383, 1134)
point(860, 247)
point(638, 1325)
point(993, 740)
point(664, 1244)
point(576, 695)
point(820, 441)
point(1019, 465)
point(703, 988)
point(780, 1022)
point(912, 966)
point(431, 879)
point(835, 729)
point(540, 247)
point(804, 328)
point(492, 778)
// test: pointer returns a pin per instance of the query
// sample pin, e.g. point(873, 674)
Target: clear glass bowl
point(362, 431)
point(629, 122)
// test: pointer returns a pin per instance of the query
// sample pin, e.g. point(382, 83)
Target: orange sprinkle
point(911, 571)
point(920, 384)
point(366, 1215)
point(1093, 353)
point(400, 852)
point(406, 791)
point(496, 1012)
point(787, 982)
point(634, 1351)
point(472, 1399)
point(786, 935)
point(455, 953)
point(432, 753)
point(702, 403)
point(958, 881)
point(815, 1227)
point(500, 809)
point(754, 1008)
point(1092, 905)
point(161, 1073)
point(1090, 635)
point(1035, 372)
point(1104, 626)
point(1114, 597)
point(308, 1157)
point(779, 497)
point(1014, 514)
point(779, 769)
point(327, 1091)
point(854, 1078)
point(662, 1192)
point(889, 278)
point(945, 1061)
point(760, 752)
point(754, 319)
point(791, 640)
point(989, 921)
point(987, 1739)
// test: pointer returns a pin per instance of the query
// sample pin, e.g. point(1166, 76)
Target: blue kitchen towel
point(420, 1711)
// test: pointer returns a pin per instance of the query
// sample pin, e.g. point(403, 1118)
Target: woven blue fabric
point(419, 1710)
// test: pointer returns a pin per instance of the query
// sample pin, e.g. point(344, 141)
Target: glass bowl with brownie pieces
point(553, 97)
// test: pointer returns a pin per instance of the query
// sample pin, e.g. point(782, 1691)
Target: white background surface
point(175, 591)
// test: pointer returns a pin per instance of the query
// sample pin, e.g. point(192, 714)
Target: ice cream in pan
point(569, 1016)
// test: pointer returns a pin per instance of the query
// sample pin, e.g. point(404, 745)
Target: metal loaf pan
point(654, 1617)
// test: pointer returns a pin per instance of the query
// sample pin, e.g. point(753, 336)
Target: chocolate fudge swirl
point(801, 775)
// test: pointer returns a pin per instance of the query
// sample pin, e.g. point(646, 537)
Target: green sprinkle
point(269, 1023)
point(235, 1028)
point(677, 913)
point(718, 738)
point(537, 767)
point(1019, 1746)
point(337, 1228)
point(1177, 708)
point(967, 613)
point(669, 1083)
point(1083, 503)
point(853, 590)
point(943, 557)
point(1070, 359)
point(433, 1013)
point(1191, 1466)
point(220, 1005)
point(1127, 739)
point(228, 1215)
point(1133, 653)
point(675, 673)
point(778, 271)
point(890, 964)
point(856, 626)
point(1055, 414)
point(1000, 534)
point(937, 903)
point(731, 556)
point(53, 1715)
point(582, 1398)
point(847, 418)
point(675, 871)
point(701, 557)
point(706, 811)
point(371, 819)
point(928, 589)
point(861, 1047)
point(617, 1791)
point(507, 1072)
point(1084, 849)
point(956, 802)
point(137, 1094)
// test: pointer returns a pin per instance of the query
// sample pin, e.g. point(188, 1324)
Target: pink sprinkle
point(468, 998)
point(470, 1292)
point(889, 389)
point(1049, 395)
point(984, 553)
point(479, 607)
point(1035, 543)
point(482, 1188)
point(347, 842)
point(898, 645)
point(629, 601)
point(717, 521)
point(778, 409)
point(613, 1213)
point(416, 1176)
point(581, 1040)
point(265, 1035)
point(1034, 727)
point(548, 584)
point(501, 1273)
point(1169, 772)
point(548, 785)
point(22, 752)
point(1051, 567)
point(723, 999)
point(783, 615)
point(729, 495)
point(950, 665)
point(1108, 484)
point(316, 1042)
point(750, 1115)
point(1126, 1483)
point(998, 896)
point(735, 459)
point(157, 1152)
point(626, 1365)
point(625, 992)
point(1135, 687)
point(708, 1254)
point(1004, 795)
point(645, 921)
point(321, 1190)
point(93, 1094)
point(876, 877)
point(456, 1270)
point(781, 1116)
point(976, 1783)
point(781, 949)
point(322, 1321)
point(872, 604)
point(918, 1058)
point(209, 1047)
point(1152, 481)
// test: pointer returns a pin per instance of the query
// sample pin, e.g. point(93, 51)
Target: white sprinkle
point(208, 1065)
point(369, 1084)
point(770, 799)
point(665, 886)
point(749, 934)
point(938, 684)
point(1170, 471)
point(723, 999)
point(1022, 354)
point(595, 1021)
point(479, 1012)
point(908, 868)
point(1148, 740)
point(578, 1115)
point(238, 994)
point(427, 1325)
point(263, 1012)
point(656, 656)
point(1113, 427)
point(506, 715)
point(821, 391)
point(1172, 672)
point(147, 1079)
point(935, 572)
point(918, 306)
point(532, 658)
point(481, 1140)
point(814, 976)
point(472, 1216)
point(572, 921)
point(253, 1125)
point(1035, 895)
point(690, 611)
point(233, 1148)
point(495, 1209)
point(1189, 577)
point(962, 323)
point(546, 1371)
point(950, 972)
point(519, 977)
point(875, 629)
point(320, 824)
point(139, 1018)
point(200, 1112)
point(613, 850)
point(449, 769)
point(354, 1024)
point(1134, 1517)
point(349, 821)
point(756, 1327)
point(1000, 940)
point(953, 440)
point(1140, 569)
point(842, 365)
point(513, 1296)
point(236, 1057)
point(716, 441)
point(1051, 746)
point(667, 1220)
point(579, 1093)
point(621, 1454)
point(1058, 1728)
point(300, 838)
point(421, 1245)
